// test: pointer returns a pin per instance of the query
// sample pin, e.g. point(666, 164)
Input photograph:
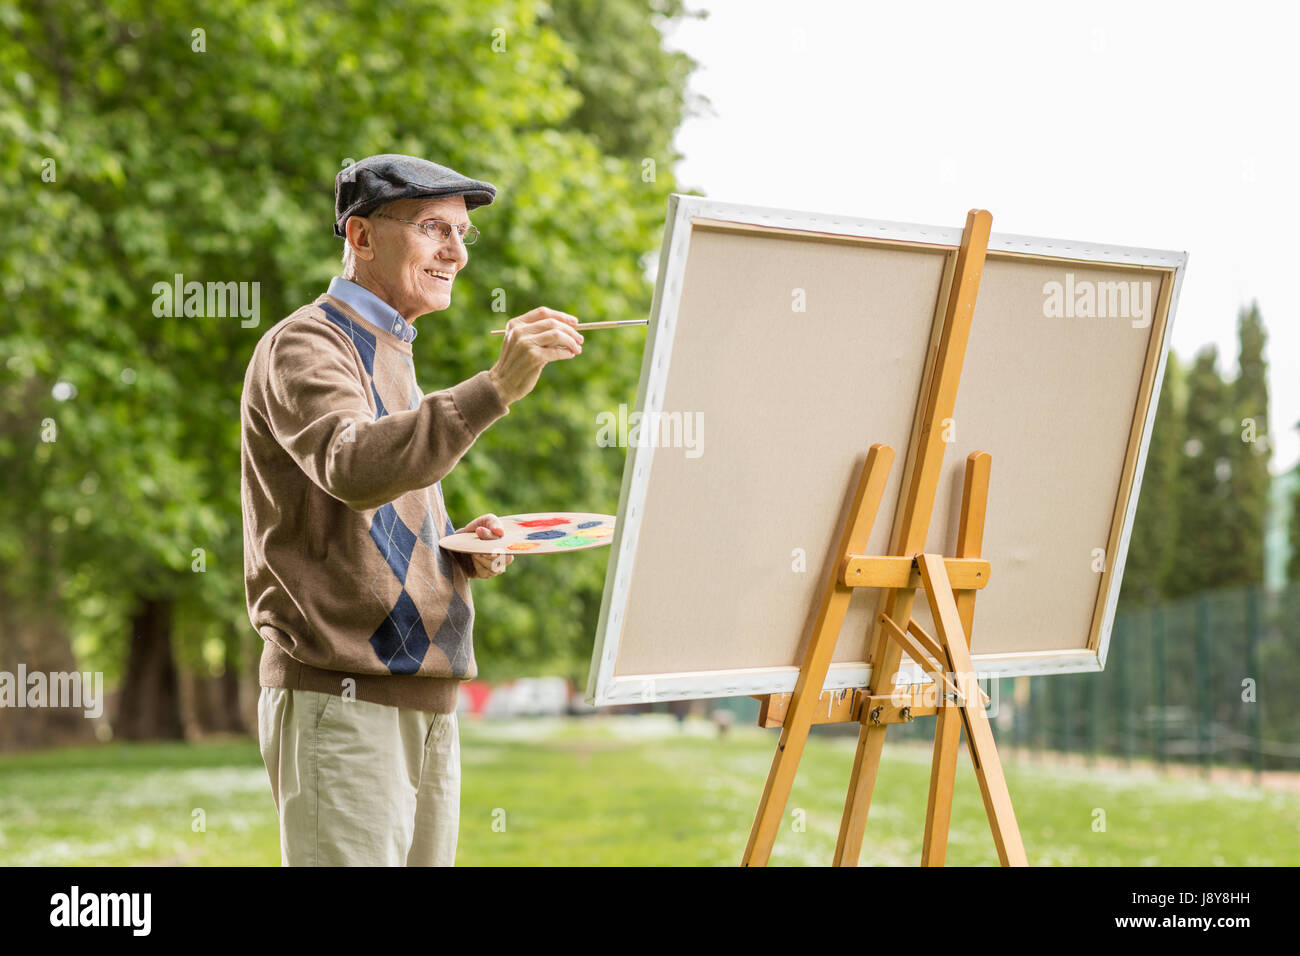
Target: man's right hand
point(531, 341)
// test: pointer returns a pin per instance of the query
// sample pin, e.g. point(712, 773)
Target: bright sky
point(1166, 125)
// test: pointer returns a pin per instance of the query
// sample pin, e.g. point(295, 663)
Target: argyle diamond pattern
point(402, 640)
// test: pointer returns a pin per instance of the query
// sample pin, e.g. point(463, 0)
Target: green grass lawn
point(630, 790)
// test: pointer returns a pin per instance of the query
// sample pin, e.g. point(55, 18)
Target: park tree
point(631, 105)
point(145, 141)
point(1250, 479)
point(1293, 528)
point(1155, 525)
point(1205, 542)
point(1203, 508)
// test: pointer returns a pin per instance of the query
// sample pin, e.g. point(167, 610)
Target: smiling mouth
point(439, 276)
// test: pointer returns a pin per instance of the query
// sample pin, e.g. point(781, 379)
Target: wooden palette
point(543, 532)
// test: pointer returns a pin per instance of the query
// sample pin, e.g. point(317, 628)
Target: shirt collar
point(372, 308)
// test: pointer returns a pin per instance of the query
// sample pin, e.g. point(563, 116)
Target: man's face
point(410, 271)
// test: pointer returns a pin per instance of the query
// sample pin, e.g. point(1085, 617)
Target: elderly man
point(366, 621)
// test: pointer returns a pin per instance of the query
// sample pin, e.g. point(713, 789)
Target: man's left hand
point(486, 527)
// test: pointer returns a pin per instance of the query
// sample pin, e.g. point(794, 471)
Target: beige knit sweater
point(342, 458)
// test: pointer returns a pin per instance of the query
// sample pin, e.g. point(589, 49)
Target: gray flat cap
point(365, 186)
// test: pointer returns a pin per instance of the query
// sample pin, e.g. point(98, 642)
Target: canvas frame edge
point(604, 688)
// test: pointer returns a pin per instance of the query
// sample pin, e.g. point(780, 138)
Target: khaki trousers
point(358, 783)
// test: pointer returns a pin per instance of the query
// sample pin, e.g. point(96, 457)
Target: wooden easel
point(949, 585)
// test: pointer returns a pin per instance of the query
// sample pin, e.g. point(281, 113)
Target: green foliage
point(1205, 540)
point(1250, 479)
point(1154, 540)
point(630, 105)
point(1293, 563)
point(1204, 504)
point(212, 155)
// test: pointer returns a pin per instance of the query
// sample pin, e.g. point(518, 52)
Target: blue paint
point(589, 524)
point(546, 535)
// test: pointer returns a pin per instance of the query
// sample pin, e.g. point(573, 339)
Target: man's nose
point(453, 247)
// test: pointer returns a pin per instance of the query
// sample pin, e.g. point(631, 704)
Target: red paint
point(542, 522)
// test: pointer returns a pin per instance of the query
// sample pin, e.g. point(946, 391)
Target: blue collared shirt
point(372, 308)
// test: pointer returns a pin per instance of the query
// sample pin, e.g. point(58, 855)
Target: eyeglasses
point(440, 231)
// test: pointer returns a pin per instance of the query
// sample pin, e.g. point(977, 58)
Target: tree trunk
point(214, 706)
point(150, 707)
point(233, 718)
point(32, 634)
point(250, 690)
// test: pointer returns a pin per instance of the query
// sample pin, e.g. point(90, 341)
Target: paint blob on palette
point(545, 532)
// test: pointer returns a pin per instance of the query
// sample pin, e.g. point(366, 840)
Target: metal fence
point(1213, 679)
point(1209, 680)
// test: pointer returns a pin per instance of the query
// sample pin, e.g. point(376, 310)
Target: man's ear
point(359, 237)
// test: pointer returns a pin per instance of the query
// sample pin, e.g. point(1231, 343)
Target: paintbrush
point(584, 326)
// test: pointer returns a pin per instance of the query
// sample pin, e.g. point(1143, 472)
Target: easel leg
point(817, 658)
point(943, 775)
point(993, 785)
point(871, 739)
point(979, 736)
point(871, 742)
point(947, 731)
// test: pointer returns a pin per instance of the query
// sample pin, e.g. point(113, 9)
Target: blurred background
point(150, 144)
